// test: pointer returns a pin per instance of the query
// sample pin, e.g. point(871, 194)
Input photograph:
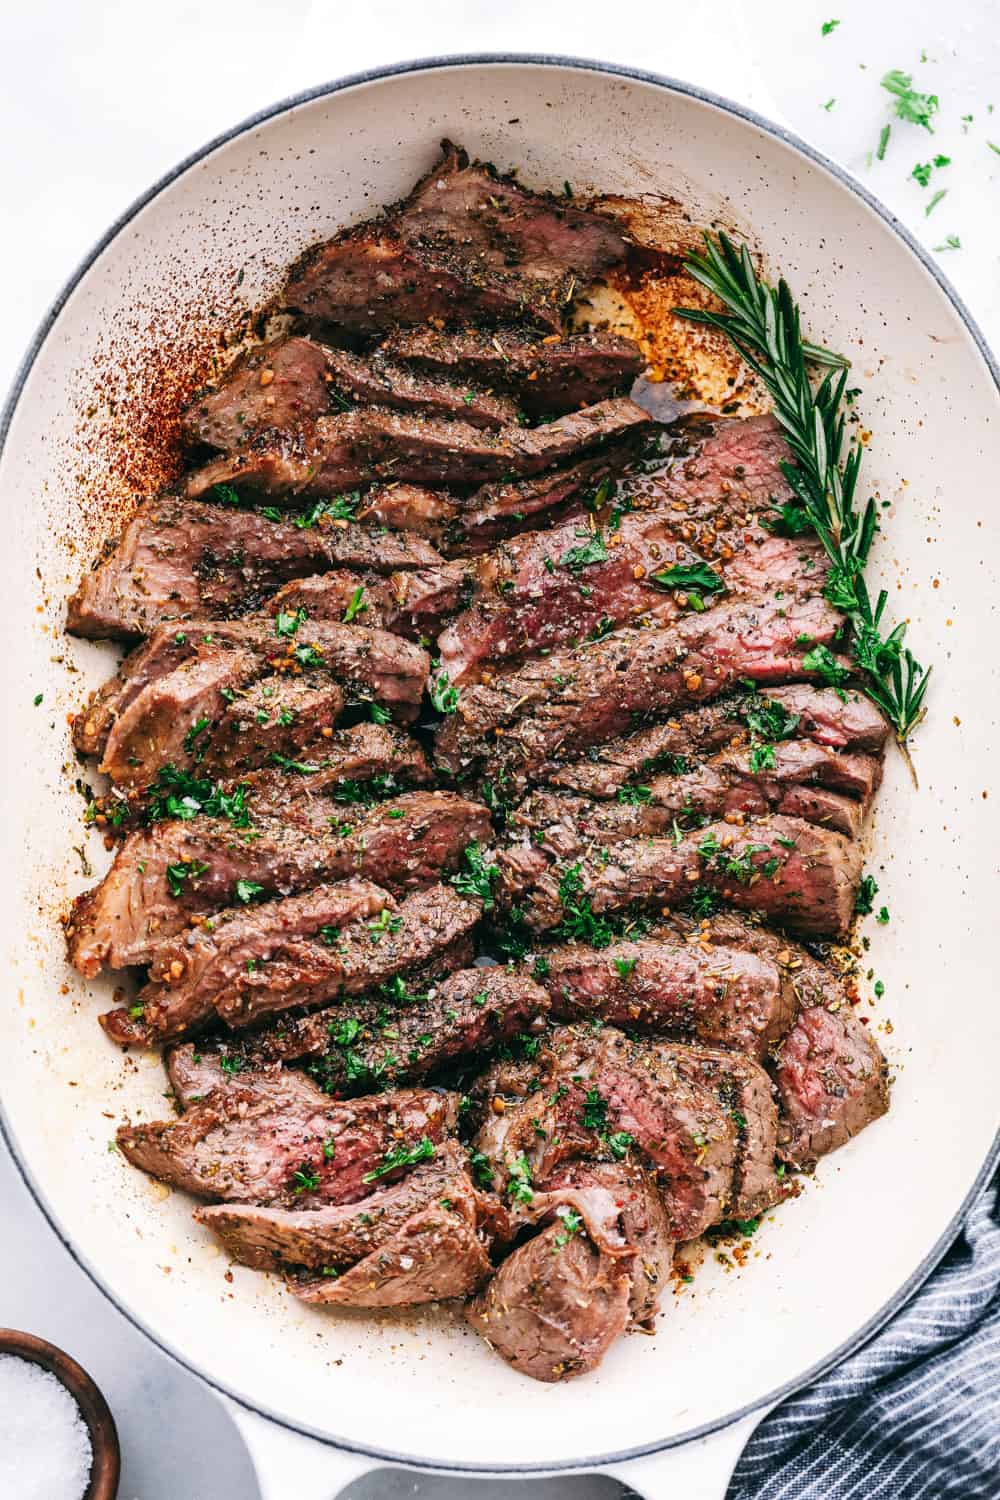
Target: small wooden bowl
point(94, 1409)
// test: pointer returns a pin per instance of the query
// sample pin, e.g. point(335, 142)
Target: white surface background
point(98, 100)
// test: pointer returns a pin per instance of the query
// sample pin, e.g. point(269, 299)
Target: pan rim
point(903, 1294)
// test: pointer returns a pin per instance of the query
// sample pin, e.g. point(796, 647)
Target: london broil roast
point(487, 775)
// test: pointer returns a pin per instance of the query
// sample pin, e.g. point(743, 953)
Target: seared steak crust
point(276, 1138)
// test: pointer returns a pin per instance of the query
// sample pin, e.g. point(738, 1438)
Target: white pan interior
point(823, 1266)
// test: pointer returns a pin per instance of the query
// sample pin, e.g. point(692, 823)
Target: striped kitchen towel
point(915, 1414)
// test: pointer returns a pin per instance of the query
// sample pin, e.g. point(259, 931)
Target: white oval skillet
point(828, 1269)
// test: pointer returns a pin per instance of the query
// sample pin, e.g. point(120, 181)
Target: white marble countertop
point(99, 100)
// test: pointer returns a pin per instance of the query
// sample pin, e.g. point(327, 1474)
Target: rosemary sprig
point(763, 323)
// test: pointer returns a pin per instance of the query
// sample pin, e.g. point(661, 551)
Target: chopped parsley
point(443, 696)
point(625, 966)
point(476, 876)
point(695, 581)
point(357, 606)
point(619, 1142)
point(594, 1115)
point(821, 660)
point(592, 551)
point(340, 508)
point(308, 656)
point(519, 1181)
point(401, 1156)
point(636, 796)
point(578, 920)
point(224, 494)
point(865, 898)
point(384, 923)
point(909, 105)
point(305, 1180)
point(178, 794)
point(827, 27)
point(571, 1224)
point(482, 1169)
point(179, 874)
point(246, 890)
point(287, 622)
point(195, 732)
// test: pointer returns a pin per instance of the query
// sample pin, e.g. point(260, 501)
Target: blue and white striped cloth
point(915, 1414)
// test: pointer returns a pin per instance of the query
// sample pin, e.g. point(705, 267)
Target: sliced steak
point(373, 443)
point(550, 375)
point(353, 1047)
point(744, 1089)
point(832, 1081)
point(276, 1138)
point(340, 595)
point(814, 982)
point(280, 384)
point(165, 722)
point(622, 1210)
point(725, 996)
point(730, 466)
point(382, 382)
point(353, 765)
point(306, 950)
point(181, 558)
point(467, 245)
point(785, 869)
point(555, 1306)
point(270, 718)
point(337, 1236)
point(554, 588)
point(371, 664)
point(146, 898)
point(437, 1254)
point(563, 703)
point(603, 1095)
point(837, 722)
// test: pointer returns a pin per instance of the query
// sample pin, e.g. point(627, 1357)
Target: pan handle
point(289, 1464)
point(693, 1471)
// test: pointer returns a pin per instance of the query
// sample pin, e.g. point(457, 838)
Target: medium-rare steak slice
point(165, 722)
point(832, 1081)
point(373, 443)
point(787, 870)
point(232, 948)
point(603, 1095)
point(550, 375)
point(555, 1306)
point(561, 704)
point(276, 1138)
point(835, 720)
point(339, 1235)
point(744, 1089)
point(382, 382)
point(726, 996)
point(149, 894)
point(734, 465)
point(280, 384)
point(554, 588)
point(467, 245)
point(371, 664)
point(403, 1036)
point(437, 1254)
point(179, 558)
point(305, 950)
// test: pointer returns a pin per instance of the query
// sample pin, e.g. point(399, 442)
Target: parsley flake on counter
point(827, 27)
point(911, 106)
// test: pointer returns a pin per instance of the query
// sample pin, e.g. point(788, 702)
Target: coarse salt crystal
point(45, 1449)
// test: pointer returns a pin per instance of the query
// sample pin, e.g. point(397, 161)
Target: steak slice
point(233, 948)
point(270, 718)
point(382, 382)
point(400, 844)
point(733, 466)
point(281, 384)
point(305, 950)
point(555, 1306)
point(848, 723)
point(181, 558)
point(726, 996)
point(467, 245)
point(373, 443)
point(744, 1089)
point(276, 1138)
point(352, 765)
point(165, 722)
point(602, 1095)
point(787, 870)
point(622, 1210)
point(550, 375)
point(437, 1254)
point(339, 1235)
point(832, 1081)
point(553, 588)
point(371, 664)
point(353, 1047)
point(565, 702)
point(496, 510)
